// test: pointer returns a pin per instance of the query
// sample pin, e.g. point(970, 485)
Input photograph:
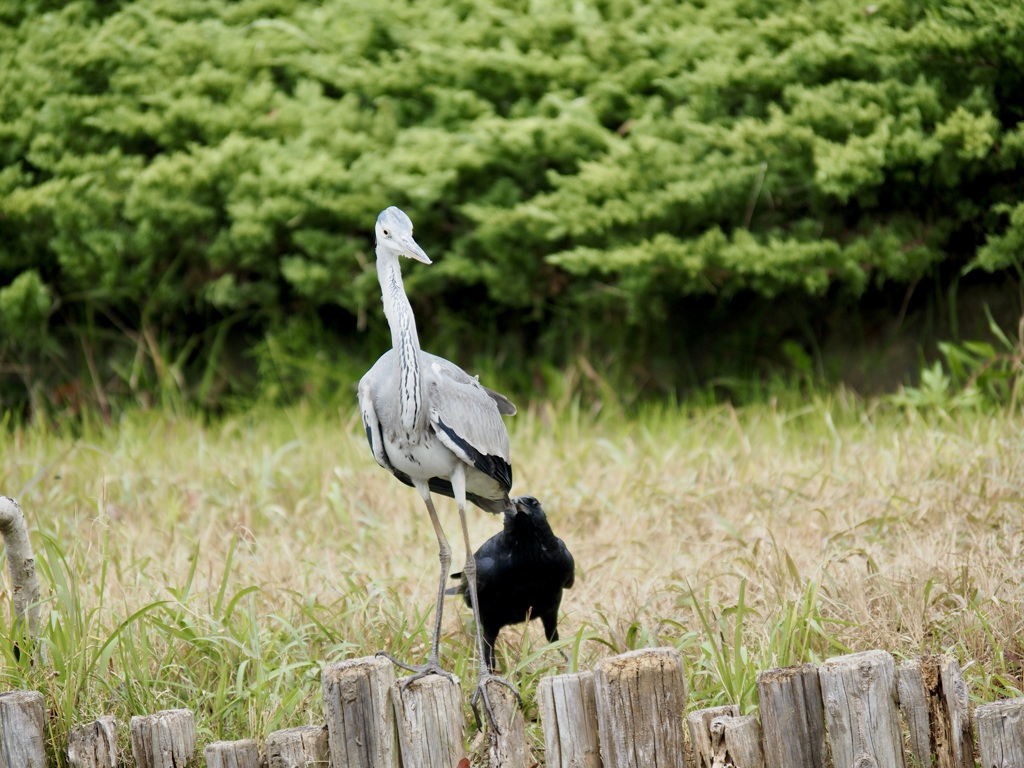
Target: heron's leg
point(469, 572)
point(445, 554)
point(433, 665)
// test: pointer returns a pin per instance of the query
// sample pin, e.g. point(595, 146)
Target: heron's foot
point(481, 694)
point(432, 667)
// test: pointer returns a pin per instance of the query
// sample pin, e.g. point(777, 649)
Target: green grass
point(220, 564)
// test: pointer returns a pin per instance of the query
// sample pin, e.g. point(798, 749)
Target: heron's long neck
point(404, 339)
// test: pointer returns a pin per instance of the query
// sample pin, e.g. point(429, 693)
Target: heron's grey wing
point(466, 419)
point(368, 385)
point(505, 406)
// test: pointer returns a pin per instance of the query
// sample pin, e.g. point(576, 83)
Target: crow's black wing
point(486, 574)
point(487, 557)
point(569, 565)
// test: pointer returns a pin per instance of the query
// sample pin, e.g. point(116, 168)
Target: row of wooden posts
point(857, 711)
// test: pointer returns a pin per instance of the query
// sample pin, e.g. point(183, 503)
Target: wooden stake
point(431, 725)
point(934, 702)
point(360, 716)
point(793, 717)
point(94, 745)
point(21, 563)
point(164, 740)
point(859, 691)
point(22, 730)
point(568, 716)
point(720, 737)
point(736, 742)
point(1001, 733)
point(699, 725)
point(507, 748)
point(641, 696)
point(303, 747)
point(232, 754)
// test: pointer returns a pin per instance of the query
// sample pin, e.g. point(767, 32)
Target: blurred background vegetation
point(658, 197)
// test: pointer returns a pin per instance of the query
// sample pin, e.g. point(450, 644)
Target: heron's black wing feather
point(493, 466)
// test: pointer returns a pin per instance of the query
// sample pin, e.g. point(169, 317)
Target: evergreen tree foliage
point(172, 172)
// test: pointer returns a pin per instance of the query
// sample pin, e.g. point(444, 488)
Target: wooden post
point(164, 740)
point(793, 717)
point(720, 737)
point(22, 730)
point(94, 745)
point(21, 563)
point(302, 747)
point(507, 748)
point(360, 716)
point(933, 699)
point(1001, 733)
point(859, 691)
point(431, 725)
point(736, 742)
point(568, 716)
point(699, 725)
point(641, 697)
point(232, 754)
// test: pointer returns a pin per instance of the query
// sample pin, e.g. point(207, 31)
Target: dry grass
point(844, 526)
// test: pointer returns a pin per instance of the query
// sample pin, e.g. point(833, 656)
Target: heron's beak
point(412, 249)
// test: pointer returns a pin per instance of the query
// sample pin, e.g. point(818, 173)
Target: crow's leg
point(550, 621)
point(490, 638)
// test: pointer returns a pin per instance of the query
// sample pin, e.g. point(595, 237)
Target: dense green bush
point(177, 174)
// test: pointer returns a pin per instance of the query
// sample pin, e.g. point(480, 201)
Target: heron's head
point(394, 235)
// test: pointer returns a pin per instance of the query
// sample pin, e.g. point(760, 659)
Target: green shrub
point(167, 167)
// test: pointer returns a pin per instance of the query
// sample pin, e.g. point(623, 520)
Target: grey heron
point(434, 427)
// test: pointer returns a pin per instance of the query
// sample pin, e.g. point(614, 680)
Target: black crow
point(520, 574)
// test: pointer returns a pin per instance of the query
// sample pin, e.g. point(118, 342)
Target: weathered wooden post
point(720, 737)
point(21, 563)
point(243, 753)
point(859, 691)
point(935, 706)
point(360, 716)
point(1001, 733)
point(699, 725)
point(94, 745)
point(302, 747)
point(793, 717)
point(736, 742)
point(431, 725)
point(641, 697)
point(22, 730)
point(507, 747)
point(166, 739)
point(568, 716)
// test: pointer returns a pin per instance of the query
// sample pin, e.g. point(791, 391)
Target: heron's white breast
point(430, 458)
point(421, 460)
